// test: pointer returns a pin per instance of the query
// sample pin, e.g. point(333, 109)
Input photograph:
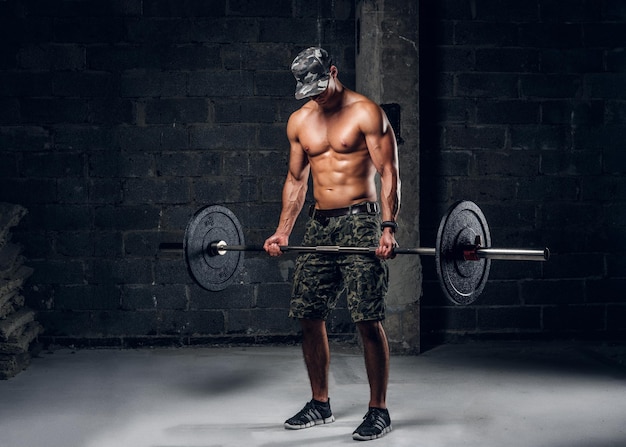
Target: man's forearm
point(390, 196)
point(293, 197)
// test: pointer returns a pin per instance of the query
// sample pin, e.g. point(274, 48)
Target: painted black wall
point(523, 111)
point(119, 119)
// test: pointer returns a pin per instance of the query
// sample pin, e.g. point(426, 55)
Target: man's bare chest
point(337, 135)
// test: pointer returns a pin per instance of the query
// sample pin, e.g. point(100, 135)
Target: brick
point(89, 297)
point(485, 33)
point(105, 191)
point(614, 161)
point(574, 60)
point(507, 111)
point(574, 318)
point(28, 192)
point(252, 8)
point(475, 137)
point(110, 111)
point(120, 271)
point(223, 137)
point(239, 321)
point(117, 58)
point(140, 297)
point(189, 164)
point(258, 56)
point(142, 243)
point(506, 11)
point(615, 318)
point(606, 290)
point(274, 296)
point(25, 138)
point(74, 244)
point(548, 188)
point(8, 165)
point(606, 35)
point(236, 296)
point(107, 244)
point(72, 190)
point(89, 30)
point(267, 321)
point(487, 85)
point(551, 86)
point(171, 271)
point(539, 137)
point(499, 293)
point(97, 8)
point(63, 217)
point(564, 266)
point(183, 323)
point(190, 57)
point(273, 137)
point(176, 8)
point(8, 58)
point(52, 57)
point(52, 164)
point(454, 59)
point(219, 30)
point(501, 318)
point(126, 218)
point(510, 163)
point(566, 112)
point(230, 83)
point(574, 163)
point(48, 111)
point(551, 35)
point(9, 111)
point(224, 190)
point(137, 191)
point(57, 271)
point(507, 60)
point(153, 84)
point(26, 30)
point(81, 137)
point(275, 29)
point(137, 139)
point(245, 111)
point(560, 292)
point(176, 111)
point(576, 11)
point(116, 164)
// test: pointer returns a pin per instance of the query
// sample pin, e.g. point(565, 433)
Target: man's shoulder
point(303, 111)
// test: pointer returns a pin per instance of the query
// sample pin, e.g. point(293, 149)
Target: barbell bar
point(214, 247)
point(469, 253)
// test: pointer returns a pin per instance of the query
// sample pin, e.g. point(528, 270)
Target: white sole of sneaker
point(310, 424)
point(358, 437)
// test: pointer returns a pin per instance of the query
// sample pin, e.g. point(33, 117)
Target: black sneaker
point(313, 413)
point(377, 424)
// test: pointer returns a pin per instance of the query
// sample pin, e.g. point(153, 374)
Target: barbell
point(214, 247)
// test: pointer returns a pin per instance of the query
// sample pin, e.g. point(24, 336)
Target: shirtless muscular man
point(343, 140)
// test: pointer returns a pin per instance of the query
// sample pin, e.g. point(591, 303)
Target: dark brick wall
point(118, 120)
point(523, 111)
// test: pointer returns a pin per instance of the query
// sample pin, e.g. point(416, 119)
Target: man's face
point(323, 97)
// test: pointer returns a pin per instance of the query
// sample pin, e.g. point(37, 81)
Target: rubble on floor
point(18, 327)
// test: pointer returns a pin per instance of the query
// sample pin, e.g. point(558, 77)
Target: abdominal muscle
point(341, 181)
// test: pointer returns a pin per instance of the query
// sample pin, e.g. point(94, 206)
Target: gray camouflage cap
point(311, 68)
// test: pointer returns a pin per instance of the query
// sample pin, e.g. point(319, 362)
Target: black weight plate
point(212, 271)
point(461, 281)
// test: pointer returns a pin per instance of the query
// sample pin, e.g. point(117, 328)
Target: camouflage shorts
point(320, 279)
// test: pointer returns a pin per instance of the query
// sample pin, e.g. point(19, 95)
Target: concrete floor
point(503, 394)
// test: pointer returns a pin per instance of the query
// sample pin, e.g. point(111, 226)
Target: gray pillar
point(387, 72)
